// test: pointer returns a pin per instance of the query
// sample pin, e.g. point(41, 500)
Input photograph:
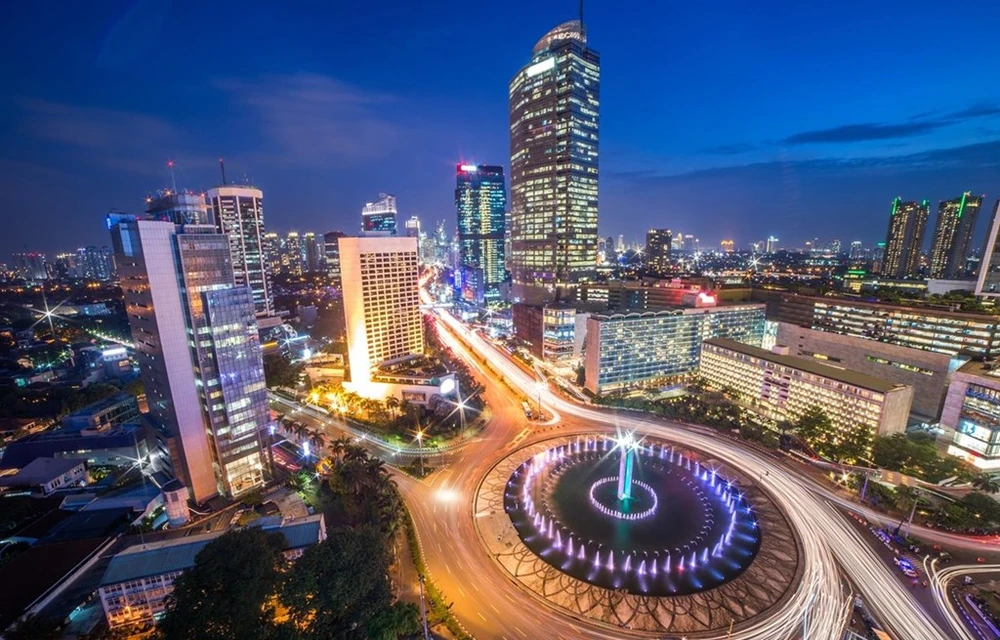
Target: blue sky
point(722, 119)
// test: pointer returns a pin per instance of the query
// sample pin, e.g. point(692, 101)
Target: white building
point(239, 213)
point(48, 475)
point(783, 387)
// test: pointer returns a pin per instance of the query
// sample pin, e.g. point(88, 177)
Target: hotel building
point(783, 387)
point(623, 350)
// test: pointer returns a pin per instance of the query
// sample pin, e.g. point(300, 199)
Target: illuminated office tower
point(31, 266)
point(956, 222)
point(239, 213)
point(379, 218)
point(313, 254)
point(199, 355)
point(94, 263)
point(554, 118)
point(481, 203)
point(857, 250)
point(381, 303)
point(272, 252)
point(771, 245)
point(412, 226)
point(658, 245)
point(291, 254)
point(988, 283)
point(179, 207)
point(904, 239)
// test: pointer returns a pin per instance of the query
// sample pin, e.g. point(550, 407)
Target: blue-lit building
point(481, 204)
point(624, 350)
point(379, 218)
point(972, 409)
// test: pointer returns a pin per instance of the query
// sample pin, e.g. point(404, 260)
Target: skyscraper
point(956, 222)
point(381, 303)
point(857, 250)
point(31, 266)
point(905, 238)
point(989, 270)
point(379, 218)
point(272, 252)
point(331, 248)
point(658, 244)
point(554, 118)
point(198, 351)
point(313, 254)
point(291, 254)
point(481, 203)
point(771, 245)
point(179, 207)
point(239, 213)
point(94, 263)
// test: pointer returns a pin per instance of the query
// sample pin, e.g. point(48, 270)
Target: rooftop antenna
point(581, 17)
point(222, 165)
point(173, 178)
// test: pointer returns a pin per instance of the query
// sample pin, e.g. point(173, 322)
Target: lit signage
point(706, 298)
point(447, 386)
point(469, 167)
point(541, 67)
point(114, 352)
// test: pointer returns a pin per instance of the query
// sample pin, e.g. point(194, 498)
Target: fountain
point(658, 520)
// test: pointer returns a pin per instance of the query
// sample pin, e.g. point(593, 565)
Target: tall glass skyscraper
point(554, 117)
point(198, 351)
point(904, 238)
point(239, 213)
point(481, 203)
point(956, 222)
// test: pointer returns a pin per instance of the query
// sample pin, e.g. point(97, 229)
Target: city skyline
point(83, 130)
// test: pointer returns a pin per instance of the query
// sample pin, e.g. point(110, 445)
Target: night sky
point(722, 119)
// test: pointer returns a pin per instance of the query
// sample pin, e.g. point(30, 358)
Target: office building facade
point(956, 222)
point(904, 238)
point(481, 204)
point(624, 350)
point(239, 213)
point(379, 218)
point(272, 252)
point(179, 207)
point(927, 372)
point(554, 134)
point(988, 282)
point(784, 387)
point(198, 352)
point(658, 245)
point(331, 250)
point(972, 410)
point(291, 254)
point(381, 303)
point(30, 266)
point(930, 329)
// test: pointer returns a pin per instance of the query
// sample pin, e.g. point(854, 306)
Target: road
point(490, 605)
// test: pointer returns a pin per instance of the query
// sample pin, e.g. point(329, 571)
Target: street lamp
point(420, 443)
point(539, 386)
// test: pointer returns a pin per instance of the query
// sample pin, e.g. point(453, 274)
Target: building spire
point(581, 18)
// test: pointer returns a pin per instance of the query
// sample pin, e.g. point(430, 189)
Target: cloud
point(309, 117)
point(863, 132)
point(871, 131)
point(733, 149)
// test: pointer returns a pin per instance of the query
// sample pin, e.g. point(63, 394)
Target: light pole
point(420, 443)
point(538, 390)
point(909, 521)
point(423, 607)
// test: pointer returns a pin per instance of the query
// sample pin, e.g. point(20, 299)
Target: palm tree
point(392, 404)
point(338, 448)
point(904, 495)
point(316, 440)
point(355, 477)
point(354, 452)
point(987, 483)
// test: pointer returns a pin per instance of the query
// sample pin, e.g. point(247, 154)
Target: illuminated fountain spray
point(627, 445)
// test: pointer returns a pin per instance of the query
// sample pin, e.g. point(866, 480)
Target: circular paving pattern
point(695, 547)
point(701, 534)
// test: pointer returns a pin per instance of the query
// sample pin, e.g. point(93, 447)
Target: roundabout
point(638, 534)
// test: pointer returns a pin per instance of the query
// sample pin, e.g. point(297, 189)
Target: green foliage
point(279, 372)
point(816, 428)
point(227, 594)
point(340, 585)
point(401, 619)
point(981, 507)
point(917, 457)
point(987, 483)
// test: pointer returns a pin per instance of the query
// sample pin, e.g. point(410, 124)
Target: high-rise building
point(481, 203)
point(66, 266)
point(30, 266)
point(988, 283)
point(95, 263)
point(198, 351)
point(331, 248)
point(291, 254)
point(272, 252)
point(771, 245)
point(728, 246)
point(905, 238)
point(442, 247)
point(956, 222)
point(179, 207)
point(239, 213)
point(658, 244)
point(554, 118)
point(313, 253)
point(412, 226)
point(379, 218)
point(381, 303)
point(857, 250)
